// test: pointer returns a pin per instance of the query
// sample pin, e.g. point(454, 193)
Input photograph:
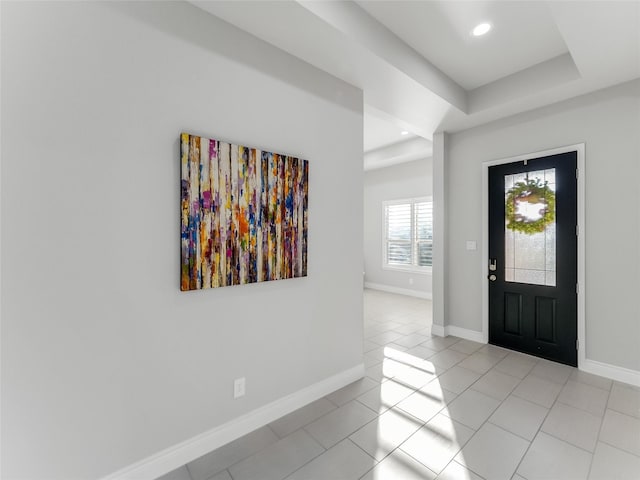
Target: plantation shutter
point(398, 225)
point(408, 234)
point(424, 233)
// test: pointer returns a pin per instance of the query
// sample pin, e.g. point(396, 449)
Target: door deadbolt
point(492, 277)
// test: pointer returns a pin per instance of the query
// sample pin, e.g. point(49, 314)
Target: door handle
point(493, 266)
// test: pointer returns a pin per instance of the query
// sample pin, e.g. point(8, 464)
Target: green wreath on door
point(533, 192)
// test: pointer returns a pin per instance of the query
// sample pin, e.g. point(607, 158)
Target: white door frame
point(580, 149)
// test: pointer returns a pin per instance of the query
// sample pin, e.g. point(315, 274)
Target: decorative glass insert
point(530, 227)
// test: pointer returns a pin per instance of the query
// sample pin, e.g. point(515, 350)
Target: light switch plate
point(239, 387)
point(471, 245)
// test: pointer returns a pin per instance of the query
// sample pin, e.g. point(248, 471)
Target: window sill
point(408, 269)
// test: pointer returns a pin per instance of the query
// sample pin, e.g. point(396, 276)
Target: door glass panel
point(530, 227)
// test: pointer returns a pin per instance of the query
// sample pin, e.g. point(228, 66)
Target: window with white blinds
point(408, 234)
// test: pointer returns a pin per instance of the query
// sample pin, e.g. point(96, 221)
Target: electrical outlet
point(411, 281)
point(239, 387)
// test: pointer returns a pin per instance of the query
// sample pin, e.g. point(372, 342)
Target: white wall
point(406, 180)
point(608, 121)
point(104, 360)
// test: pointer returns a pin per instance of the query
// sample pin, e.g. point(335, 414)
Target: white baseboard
point(613, 372)
point(438, 330)
point(621, 374)
point(467, 334)
point(167, 460)
point(400, 291)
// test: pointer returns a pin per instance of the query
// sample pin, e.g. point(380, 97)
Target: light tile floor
point(443, 408)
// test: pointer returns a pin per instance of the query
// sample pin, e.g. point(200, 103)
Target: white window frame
point(426, 270)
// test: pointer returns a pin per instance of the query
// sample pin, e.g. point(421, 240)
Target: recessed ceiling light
point(404, 132)
point(481, 29)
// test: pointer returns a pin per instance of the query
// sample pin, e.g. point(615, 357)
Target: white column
point(440, 226)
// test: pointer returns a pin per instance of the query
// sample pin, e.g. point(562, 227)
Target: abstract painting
point(244, 214)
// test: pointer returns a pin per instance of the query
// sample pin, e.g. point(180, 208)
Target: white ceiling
point(421, 71)
point(380, 132)
point(524, 34)
point(384, 144)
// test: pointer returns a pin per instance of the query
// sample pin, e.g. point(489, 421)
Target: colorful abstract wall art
point(244, 214)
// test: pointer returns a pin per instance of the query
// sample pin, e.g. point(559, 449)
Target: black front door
point(532, 271)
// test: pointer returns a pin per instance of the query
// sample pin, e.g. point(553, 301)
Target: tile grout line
point(417, 389)
point(398, 446)
point(494, 410)
point(540, 428)
point(376, 462)
point(619, 413)
point(620, 449)
point(487, 420)
point(445, 406)
point(423, 423)
point(470, 387)
point(563, 384)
